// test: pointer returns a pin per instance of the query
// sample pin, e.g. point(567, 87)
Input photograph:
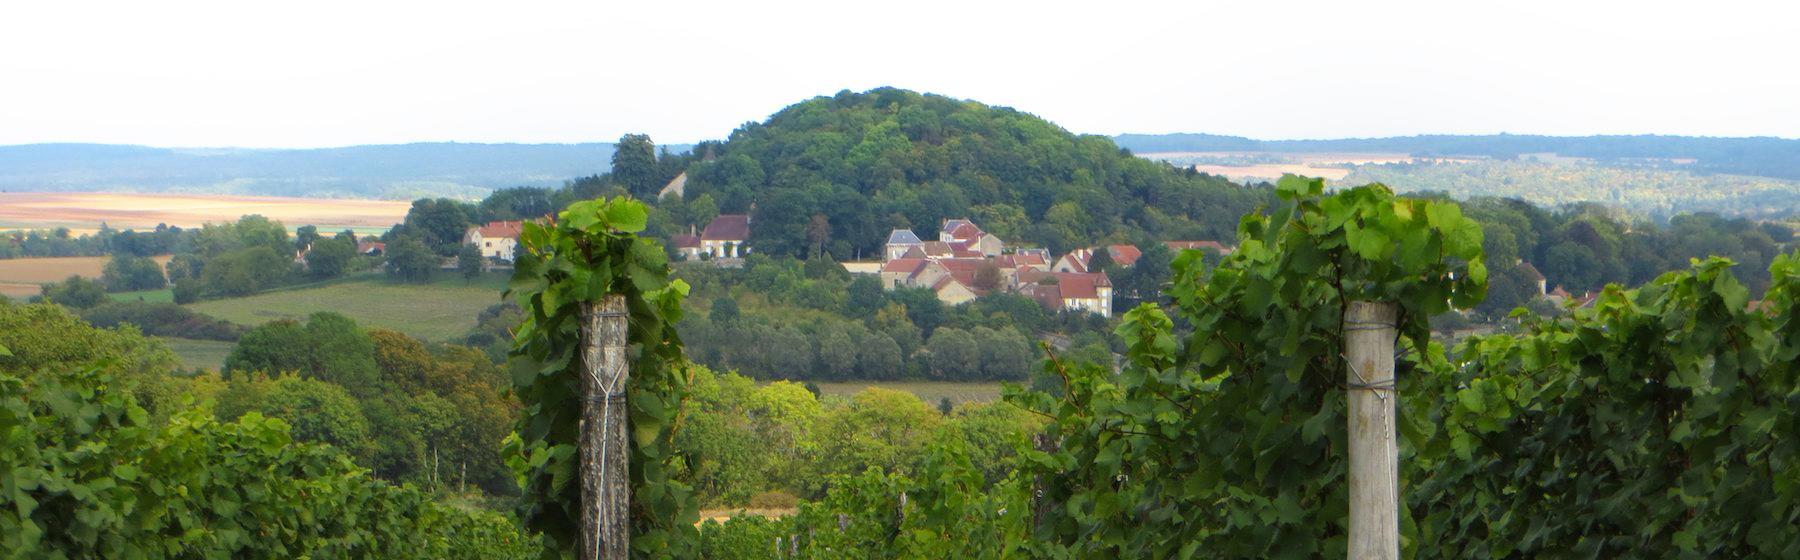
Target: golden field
point(85, 212)
point(20, 278)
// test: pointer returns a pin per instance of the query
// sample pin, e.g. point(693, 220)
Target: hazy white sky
point(327, 73)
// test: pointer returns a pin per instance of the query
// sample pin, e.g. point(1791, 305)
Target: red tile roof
point(1069, 285)
point(496, 230)
point(684, 241)
point(907, 266)
point(1123, 255)
point(966, 231)
point(728, 227)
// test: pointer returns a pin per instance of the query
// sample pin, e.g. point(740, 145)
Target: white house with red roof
point(496, 240)
point(1069, 291)
point(725, 237)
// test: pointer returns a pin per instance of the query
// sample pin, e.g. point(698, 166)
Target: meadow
point(199, 354)
point(441, 310)
point(21, 278)
point(929, 391)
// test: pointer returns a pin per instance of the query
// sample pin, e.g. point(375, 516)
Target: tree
point(818, 233)
point(126, 272)
point(470, 263)
point(835, 354)
point(863, 296)
point(955, 355)
point(74, 292)
point(183, 266)
point(305, 236)
point(878, 357)
point(439, 224)
point(245, 271)
point(724, 310)
point(1101, 261)
point(987, 276)
point(330, 258)
point(410, 260)
point(634, 165)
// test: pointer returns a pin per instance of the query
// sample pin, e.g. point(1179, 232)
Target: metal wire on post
point(605, 480)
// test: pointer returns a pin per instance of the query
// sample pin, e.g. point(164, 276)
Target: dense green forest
point(889, 158)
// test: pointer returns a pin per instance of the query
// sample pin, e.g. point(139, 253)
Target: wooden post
point(605, 480)
point(1369, 336)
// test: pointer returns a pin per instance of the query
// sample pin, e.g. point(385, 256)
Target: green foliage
point(634, 165)
point(130, 273)
point(469, 262)
point(88, 475)
point(438, 223)
point(163, 319)
point(75, 292)
point(329, 347)
point(1223, 443)
point(410, 260)
point(589, 253)
point(867, 162)
point(1658, 423)
point(330, 258)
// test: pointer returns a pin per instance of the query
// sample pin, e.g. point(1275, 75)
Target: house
point(370, 248)
point(687, 245)
point(899, 241)
point(953, 280)
point(676, 186)
point(964, 236)
point(496, 240)
point(1077, 260)
point(1532, 274)
point(1069, 291)
point(724, 238)
point(1216, 247)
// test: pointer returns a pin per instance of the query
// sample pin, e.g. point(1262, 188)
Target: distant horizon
point(342, 73)
point(660, 142)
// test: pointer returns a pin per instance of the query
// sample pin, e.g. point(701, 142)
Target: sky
point(330, 73)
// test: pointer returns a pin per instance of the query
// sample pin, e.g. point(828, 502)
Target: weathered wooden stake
point(605, 480)
point(1369, 336)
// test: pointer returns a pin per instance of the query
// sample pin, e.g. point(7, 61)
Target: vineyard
point(1658, 422)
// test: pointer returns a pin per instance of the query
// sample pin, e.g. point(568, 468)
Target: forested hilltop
point(890, 158)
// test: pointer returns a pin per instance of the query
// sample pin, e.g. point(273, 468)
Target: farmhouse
point(1069, 291)
point(1077, 260)
point(724, 238)
point(375, 248)
point(496, 240)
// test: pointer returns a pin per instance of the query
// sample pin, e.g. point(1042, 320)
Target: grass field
point(440, 311)
point(928, 391)
point(203, 354)
point(164, 295)
point(21, 278)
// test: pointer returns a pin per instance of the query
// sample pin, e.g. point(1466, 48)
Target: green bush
point(87, 475)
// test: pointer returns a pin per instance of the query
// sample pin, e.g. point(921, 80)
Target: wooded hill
point(891, 158)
